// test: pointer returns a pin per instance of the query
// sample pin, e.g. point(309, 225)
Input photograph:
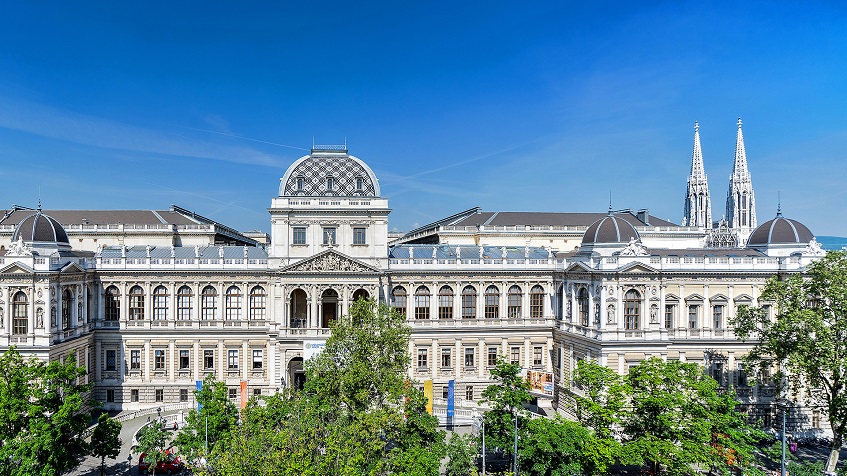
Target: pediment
point(16, 268)
point(578, 266)
point(637, 268)
point(72, 268)
point(330, 261)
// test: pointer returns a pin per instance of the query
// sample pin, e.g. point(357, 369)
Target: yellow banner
point(428, 395)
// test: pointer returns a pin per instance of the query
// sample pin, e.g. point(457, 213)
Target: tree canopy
point(44, 413)
point(807, 337)
point(215, 419)
point(106, 440)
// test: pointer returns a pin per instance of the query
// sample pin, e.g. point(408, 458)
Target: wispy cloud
point(66, 125)
point(236, 136)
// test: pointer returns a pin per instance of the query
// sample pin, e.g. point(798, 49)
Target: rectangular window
point(492, 356)
point(741, 375)
point(232, 361)
point(670, 312)
point(135, 360)
point(133, 395)
point(233, 393)
point(160, 395)
point(469, 393)
point(445, 392)
point(717, 315)
point(111, 360)
point(184, 360)
point(423, 358)
point(110, 396)
point(329, 236)
point(537, 356)
point(159, 360)
point(469, 357)
point(257, 392)
point(692, 316)
point(447, 357)
point(208, 359)
point(299, 236)
point(516, 355)
point(359, 234)
point(258, 359)
point(183, 395)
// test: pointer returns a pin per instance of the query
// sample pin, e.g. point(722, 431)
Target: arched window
point(208, 303)
point(469, 302)
point(20, 314)
point(112, 304)
point(160, 303)
point(398, 299)
point(136, 304)
point(513, 307)
point(632, 310)
point(536, 302)
point(492, 302)
point(233, 303)
point(258, 300)
point(422, 303)
point(67, 307)
point(184, 297)
point(582, 306)
point(299, 309)
point(445, 302)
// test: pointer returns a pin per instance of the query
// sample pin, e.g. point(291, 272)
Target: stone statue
point(610, 313)
point(39, 318)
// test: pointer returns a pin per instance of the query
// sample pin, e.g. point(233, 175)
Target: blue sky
point(507, 106)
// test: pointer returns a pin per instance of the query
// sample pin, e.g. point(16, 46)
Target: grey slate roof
point(110, 217)
point(38, 227)
point(780, 230)
point(467, 252)
point(549, 218)
point(610, 229)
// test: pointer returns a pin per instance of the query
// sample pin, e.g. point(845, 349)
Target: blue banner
point(451, 398)
point(199, 385)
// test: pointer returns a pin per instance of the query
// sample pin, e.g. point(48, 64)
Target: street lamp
point(477, 418)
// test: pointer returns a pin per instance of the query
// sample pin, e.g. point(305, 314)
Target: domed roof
point(39, 227)
point(329, 171)
point(780, 230)
point(610, 229)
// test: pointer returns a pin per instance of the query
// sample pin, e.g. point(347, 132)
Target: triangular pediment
point(578, 266)
point(637, 268)
point(330, 261)
point(16, 268)
point(72, 268)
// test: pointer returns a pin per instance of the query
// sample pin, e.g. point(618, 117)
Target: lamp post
point(782, 465)
point(515, 451)
point(481, 420)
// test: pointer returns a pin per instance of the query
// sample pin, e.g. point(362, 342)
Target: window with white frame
point(537, 356)
point(298, 236)
point(470, 353)
point(632, 310)
point(258, 303)
point(446, 357)
point(208, 359)
point(398, 299)
point(159, 359)
point(492, 356)
point(233, 303)
point(717, 316)
point(359, 235)
point(514, 307)
point(258, 359)
point(111, 360)
point(492, 302)
point(670, 314)
point(693, 313)
point(135, 360)
point(160, 303)
point(582, 306)
point(184, 359)
point(422, 303)
point(515, 355)
point(536, 302)
point(423, 357)
point(20, 316)
point(445, 302)
point(208, 303)
point(232, 359)
point(136, 303)
point(469, 302)
point(184, 295)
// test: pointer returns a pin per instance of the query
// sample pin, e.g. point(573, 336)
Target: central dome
point(329, 171)
point(610, 229)
point(779, 231)
point(40, 228)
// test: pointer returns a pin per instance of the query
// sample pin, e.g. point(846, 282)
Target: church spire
point(698, 205)
point(740, 201)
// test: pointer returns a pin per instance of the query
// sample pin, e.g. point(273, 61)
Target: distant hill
point(832, 242)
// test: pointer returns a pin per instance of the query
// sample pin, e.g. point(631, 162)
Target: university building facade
point(152, 301)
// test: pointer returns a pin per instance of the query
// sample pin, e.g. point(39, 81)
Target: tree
point(604, 396)
point(44, 413)
point(807, 337)
point(461, 453)
point(152, 440)
point(106, 440)
point(507, 398)
point(557, 447)
point(678, 419)
point(215, 419)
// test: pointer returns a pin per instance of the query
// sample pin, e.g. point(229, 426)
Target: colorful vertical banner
point(428, 395)
point(243, 393)
point(199, 385)
point(451, 398)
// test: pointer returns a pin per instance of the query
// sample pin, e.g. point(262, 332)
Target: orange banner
point(243, 393)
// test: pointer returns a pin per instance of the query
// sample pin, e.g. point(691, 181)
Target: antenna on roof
point(778, 203)
point(345, 142)
point(39, 198)
point(610, 202)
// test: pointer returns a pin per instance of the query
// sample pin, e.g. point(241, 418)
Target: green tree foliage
point(678, 419)
point(106, 440)
point(461, 453)
point(357, 415)
point(152, 442)
point(557, 447)
point(604, 397)
point(216, 418)
point(507, 398)
point(43, 415)
point(807, 337)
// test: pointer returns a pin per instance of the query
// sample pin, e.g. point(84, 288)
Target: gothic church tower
point(698, 205)
point(740, 202)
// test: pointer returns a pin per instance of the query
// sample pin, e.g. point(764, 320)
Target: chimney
point(644, 215)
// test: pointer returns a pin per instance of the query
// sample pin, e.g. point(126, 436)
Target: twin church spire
point(740, 202)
